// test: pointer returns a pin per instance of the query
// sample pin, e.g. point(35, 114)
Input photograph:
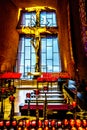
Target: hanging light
point(19, 128)
point(14, 123)
point(72, 122)
point(36, 92)
point(84, 123)
point(53, 123)
point(46, 122)
point(59, 124)
point(33, 123)
point(1, 123)
point(12, 98)
point(74, 104)
point(78, 122)
point(20, 124)
point(27, 123)
point(39, 123)
point(28, 95)
point(3, 90)
point(46, 128)
point(66, 122)
point(25, 128)
point(7, 123)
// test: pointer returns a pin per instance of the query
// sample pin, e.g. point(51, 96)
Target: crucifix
point(35, 32)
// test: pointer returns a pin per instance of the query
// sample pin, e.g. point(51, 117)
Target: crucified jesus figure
point(36, 44)
point(35, 41)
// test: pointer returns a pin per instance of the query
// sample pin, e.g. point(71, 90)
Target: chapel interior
point(43, 65)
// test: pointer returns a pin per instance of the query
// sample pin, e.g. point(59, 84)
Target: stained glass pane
point(21, 59)
point(27, 52)
point(33, 59)
point(43, 56)
point(29, 19)
point(49, 52)
point(52, 55)
point(48, 19)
